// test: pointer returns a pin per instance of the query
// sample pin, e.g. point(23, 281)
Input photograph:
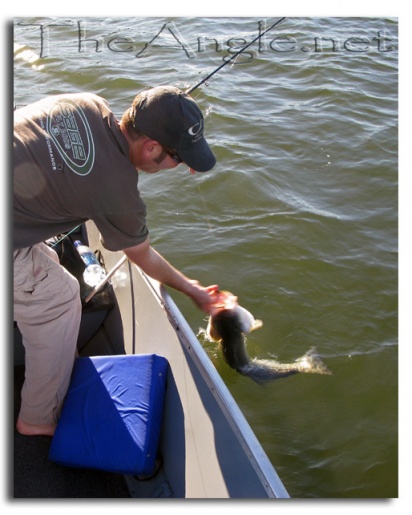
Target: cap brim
point(198, 156)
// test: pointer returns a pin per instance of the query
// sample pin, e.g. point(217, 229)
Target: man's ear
point(149, 147)
point(152, 149)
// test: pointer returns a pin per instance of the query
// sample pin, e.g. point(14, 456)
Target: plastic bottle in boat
point(94, 272)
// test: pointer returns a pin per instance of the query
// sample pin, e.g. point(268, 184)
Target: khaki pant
point(47, 309)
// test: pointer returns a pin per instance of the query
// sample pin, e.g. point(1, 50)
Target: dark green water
point(299, 217)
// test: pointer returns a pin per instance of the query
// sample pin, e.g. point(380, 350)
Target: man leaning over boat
point(73, 162)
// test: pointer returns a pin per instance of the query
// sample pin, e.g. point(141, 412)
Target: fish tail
point(262, 370)
point(311, 363)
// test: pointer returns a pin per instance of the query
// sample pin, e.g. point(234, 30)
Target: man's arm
point(156, 266)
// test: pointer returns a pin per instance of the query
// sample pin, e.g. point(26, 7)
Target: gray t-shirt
point(71, 164)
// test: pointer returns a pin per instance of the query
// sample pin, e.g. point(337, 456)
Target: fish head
point(223, 300)
point(226, 310)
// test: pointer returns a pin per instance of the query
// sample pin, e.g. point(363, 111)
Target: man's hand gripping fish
point(228, 324)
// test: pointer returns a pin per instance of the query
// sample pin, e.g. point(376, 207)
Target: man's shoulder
point(85, 98)
point(85, 101)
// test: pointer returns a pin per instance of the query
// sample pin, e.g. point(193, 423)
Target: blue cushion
point(112, 415)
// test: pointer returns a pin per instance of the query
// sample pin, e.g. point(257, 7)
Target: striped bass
point(228, 324)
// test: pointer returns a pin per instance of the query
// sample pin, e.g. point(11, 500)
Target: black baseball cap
point(172, 118)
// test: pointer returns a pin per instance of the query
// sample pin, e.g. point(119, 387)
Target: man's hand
point(203, 297)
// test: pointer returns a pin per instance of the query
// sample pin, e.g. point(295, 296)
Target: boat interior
point(206, 448)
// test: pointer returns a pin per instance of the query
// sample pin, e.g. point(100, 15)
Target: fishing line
point(133, 317)
point(64, 236)
point(209, 225)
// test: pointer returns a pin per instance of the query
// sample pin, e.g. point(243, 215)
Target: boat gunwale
point(236, 419)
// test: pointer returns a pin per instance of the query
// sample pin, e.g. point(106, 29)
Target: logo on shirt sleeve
point(70, 131)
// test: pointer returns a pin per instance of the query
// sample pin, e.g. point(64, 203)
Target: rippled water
point(299, 217)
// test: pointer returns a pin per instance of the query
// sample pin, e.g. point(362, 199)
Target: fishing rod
point(192, 88)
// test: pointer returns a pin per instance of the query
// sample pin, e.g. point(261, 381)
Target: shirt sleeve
point(121, 231)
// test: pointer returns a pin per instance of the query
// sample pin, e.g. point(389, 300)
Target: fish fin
point(311, 362)
point(257, 324)
point(247, 320)
point(212, 333)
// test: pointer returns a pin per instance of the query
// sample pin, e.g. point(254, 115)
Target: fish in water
point(228, 324)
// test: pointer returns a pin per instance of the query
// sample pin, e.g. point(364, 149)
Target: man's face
point(156, 164)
